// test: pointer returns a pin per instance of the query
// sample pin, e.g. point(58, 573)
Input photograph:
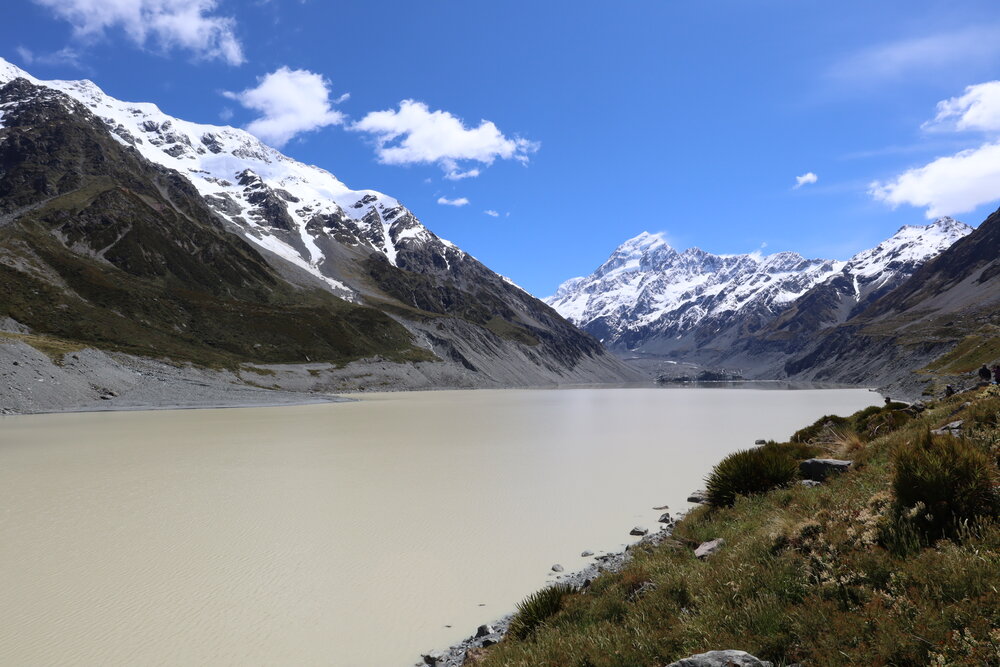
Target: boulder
point(721, 659)
point(951, 428)
point(557, 568)
point(810, 483)
point(710, 548)
point(484, 630)
point(638, 530)
point(433, 658)
point(586, 554)
point(818, 470)
point(760, 442)
point(699, 496)
point(665, 518)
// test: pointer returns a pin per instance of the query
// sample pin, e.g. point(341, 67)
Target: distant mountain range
point(127, 229)
point(782, 315)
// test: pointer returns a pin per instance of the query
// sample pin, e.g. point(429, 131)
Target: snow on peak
point(645, 282)
point(219, 162)
point(909, 247)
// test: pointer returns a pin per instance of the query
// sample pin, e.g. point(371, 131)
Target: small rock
point(557, 568)
point(661, 508)
point(586, 554)
point(950, 428)
point(760, 442)
point(665, 518)
point(638, 530)
point(699, 496)
point(484, 630)
point(819, 469)
point(433, 658)
point(710, 548)
point(721, 659)
point(810, 483)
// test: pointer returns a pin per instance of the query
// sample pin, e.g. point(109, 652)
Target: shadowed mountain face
point(945, 318)
point(117, 229)
point(750, 310)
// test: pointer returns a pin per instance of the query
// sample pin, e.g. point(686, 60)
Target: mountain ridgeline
point(924, 293)
point(128, 230)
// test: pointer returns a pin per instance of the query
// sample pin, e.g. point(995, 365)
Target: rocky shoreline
point(488, 634)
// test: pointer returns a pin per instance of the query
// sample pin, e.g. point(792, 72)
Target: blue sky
point(605, 118)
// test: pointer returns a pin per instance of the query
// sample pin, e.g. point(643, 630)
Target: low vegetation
point(894, 563)
point(749, 472)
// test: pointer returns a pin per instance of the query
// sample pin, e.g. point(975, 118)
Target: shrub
point(749, 472)
point(943, 482)
point(818, 428)
point(537, 608)
point(796, 450)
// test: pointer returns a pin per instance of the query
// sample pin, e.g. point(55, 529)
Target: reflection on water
point(343, 534)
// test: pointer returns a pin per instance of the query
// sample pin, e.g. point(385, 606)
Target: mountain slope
point(943, 321)
point(752, 312)
point(309, 241)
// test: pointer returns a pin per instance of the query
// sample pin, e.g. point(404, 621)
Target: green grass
point(55, 349)
point(821, 576)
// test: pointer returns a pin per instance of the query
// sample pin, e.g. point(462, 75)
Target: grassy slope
point(802, 577)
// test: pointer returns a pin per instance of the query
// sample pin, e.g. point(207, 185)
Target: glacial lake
point(349, 534)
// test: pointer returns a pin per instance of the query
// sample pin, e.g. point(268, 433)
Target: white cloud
point(805, 179)
point(490, 212)
point(290, 102)
point(948, 185)
point(978, 109)
point(414, 134)
point(957, 183)
point(972, 46)
point(461, 201)
point(167, 24)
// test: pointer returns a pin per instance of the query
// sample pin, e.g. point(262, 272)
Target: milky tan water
point(342, 534)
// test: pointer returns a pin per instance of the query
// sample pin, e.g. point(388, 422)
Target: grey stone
point(557, 568)
point(433, 657)
point(760, 442)
point(710, 548)
point(819, 469)
point(951, 428)
point(721, 659)
point(586, 554)
point(810, 483)
point(665, 518)
point(484, 630)
point(699, 496)
point(638, 530)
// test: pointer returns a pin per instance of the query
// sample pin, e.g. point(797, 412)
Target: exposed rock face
point(762, 314)
point(214, 208)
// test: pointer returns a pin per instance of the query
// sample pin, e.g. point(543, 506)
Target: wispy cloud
point(414, 134)
point(290, 102)
point(190, 25)
point(805, 179)
point(493, 214)
point(461, 201)
point(65, 56)
point(974, 45)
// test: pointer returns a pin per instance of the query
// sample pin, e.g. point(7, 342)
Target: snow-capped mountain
point(869, 275)
point(650, 297)
point(199, 219)
point(284, 206)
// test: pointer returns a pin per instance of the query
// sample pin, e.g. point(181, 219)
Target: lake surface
point(346, 534)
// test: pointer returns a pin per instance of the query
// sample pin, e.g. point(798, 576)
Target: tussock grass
point(832, 575)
